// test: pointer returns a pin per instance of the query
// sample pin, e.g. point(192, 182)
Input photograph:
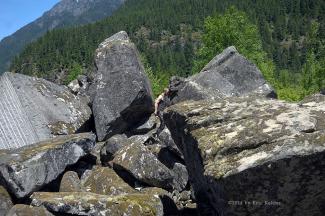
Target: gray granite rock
point(104, 180)
point(228, 74)
point(5, 201)
point(70, 182)
point(143, 165)
point(99, 205)
point(29, 168)
point(121, 93)
point(25, 210)
point(252, 155)
point(33, 110)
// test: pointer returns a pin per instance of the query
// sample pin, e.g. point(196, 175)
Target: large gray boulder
point(252, 155)
point(121, 94)
point(33, 110)
point(228, 74)
point(30, 168)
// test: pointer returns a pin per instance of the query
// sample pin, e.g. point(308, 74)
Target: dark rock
point(70, 182)
point(29, 168)
point(165, 139)
point(322, 91)
point(5, 201)
point(34, 110)
point(113, 145)
point(103, 180)
point(228, 74)
point(96, 204)
point(25, 210)
point(147, 126)
point(143, 165)
point(266, 154)
point(121, 92)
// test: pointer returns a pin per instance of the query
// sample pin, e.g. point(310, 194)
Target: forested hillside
point(65, 13)
point(172, 33)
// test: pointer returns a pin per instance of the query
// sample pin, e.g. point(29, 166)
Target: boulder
point(25, 210)
point(29, 168)
point(34, 110)
point(120, 93)
point(148, 125)
point(143, 165)
point(5, 201)
point(103, 180)
point(252, 155)
point(228, 74)
point(70, 182)
point(95, 204)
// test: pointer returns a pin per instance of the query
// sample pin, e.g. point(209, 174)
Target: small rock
point(70, 182)
point(28, 169)
point(113, 145)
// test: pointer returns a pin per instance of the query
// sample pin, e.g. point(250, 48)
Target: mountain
point(169, 34)
point(63, 14)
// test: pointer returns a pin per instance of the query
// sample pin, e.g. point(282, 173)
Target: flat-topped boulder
point(121, 93)
point(228, 74)
point(252, 155)
point(83, 203)
point(30, 168)
point(33, 110)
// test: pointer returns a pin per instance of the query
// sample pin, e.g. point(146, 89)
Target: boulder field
point(219, 143)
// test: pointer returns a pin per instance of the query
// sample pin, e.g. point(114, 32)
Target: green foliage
point(159, 81)
point(231, 29)
point(73, 73)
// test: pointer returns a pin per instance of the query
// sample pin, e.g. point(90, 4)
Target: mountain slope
point(169, 32)
point(63, 14)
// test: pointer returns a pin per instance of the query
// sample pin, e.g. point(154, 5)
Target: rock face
point(33, 110)
point(121, 92)
point(228, 74)
point(28, 169)
point(252, 155)
point(25, 210)
point(70, 182)
point(99, 205)
point(5, 201)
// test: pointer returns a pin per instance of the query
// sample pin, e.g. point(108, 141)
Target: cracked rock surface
point(28, 169)
point(253, 149)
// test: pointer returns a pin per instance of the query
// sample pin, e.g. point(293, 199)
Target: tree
point(231, 29)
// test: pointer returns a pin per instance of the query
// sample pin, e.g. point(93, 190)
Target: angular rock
point(121, 92)
point(25, 210)
point(267, 154)
point(103, 180)
point(101, 205)
point(147, 126)
point(228, 74)
point(33, 110)
point(29, 168)
point(143, 165)
point(113, 145)
point(70, 182)
point(5, 201)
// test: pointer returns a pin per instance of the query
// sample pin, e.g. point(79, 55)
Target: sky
point(14, 14)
